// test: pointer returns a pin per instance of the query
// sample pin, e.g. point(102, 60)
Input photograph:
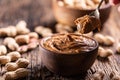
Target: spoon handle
point(100, 4)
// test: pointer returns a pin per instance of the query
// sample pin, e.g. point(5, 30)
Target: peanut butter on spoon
point(87, 24)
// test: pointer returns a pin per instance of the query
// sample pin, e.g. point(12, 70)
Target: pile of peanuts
point(105, 40)
point(16, 40)
point(82, 4)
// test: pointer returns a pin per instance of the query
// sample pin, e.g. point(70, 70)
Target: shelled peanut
point(104, 53)
point(22, 28)
point(20, 63)
point(3, 50)
point(11, 43)
point(19, 73)
point(43, 31)
point(105, 40)
point(12, 56)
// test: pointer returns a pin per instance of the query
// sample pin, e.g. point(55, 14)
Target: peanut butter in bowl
point(69, 43)
point(68, 54)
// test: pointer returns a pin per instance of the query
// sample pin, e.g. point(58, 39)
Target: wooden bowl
point(67, 64)
point(67, 15)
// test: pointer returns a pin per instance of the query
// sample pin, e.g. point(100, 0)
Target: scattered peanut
point(104, 53)
point(19, 73)
point(4, 59)
point(13, 46)
point(109, 40)
point(8, 40)
point(14, 55)
point(98, 75)
point(3, 50)
point(12, 31)
point(8, 31)
point(106, 40)
point(33, 35)
point(114, 75)
point(11, 43)
point(20, 63)
point(99, 37)
point(3, 32)
point(43, 31)
point(22, 27)
point(22, 39)
point(61, 28)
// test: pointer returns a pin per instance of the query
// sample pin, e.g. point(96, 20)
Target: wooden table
point(39, 13)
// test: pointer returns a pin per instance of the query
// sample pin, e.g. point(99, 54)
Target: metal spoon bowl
point(96, 13)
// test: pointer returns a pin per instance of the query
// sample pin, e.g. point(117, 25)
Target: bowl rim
point(72, 8)
point(60, 53)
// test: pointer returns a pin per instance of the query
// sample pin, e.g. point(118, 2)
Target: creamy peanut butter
point(87, 24)
point(69, 43)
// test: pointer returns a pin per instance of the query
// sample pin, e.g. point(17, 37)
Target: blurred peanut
point(8, 31)
point(105, 40)
point(22, 39)
point(99, 37)
point(109, 40)
point(12, 31)
point(43, 31)
point(104, 53)
point(61, 28)
point(3, 50)
point(19, 73)
point(13, 46)
point(33, 35)
point(8, 40)
point(22, 27)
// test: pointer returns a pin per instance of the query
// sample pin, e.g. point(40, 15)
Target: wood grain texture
point(38, 12)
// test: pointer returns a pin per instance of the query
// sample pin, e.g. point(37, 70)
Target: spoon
point(96, 12)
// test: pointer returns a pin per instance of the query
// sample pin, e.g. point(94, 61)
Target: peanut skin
point(20, 63)
point(19, 73)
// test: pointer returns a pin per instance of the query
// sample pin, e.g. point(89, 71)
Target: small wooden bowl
point(67, 15)
point(67, 64)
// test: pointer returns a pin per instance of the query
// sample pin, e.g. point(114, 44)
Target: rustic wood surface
point(39, 12)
